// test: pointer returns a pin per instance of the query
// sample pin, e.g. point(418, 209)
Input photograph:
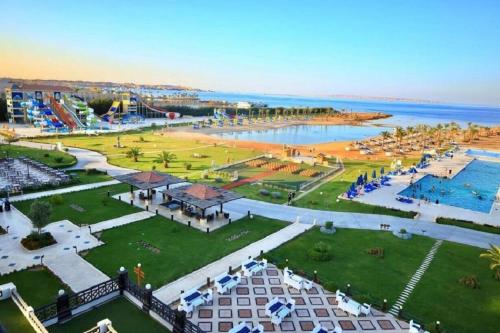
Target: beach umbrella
point(374, 174)
point(365, 177)
point(382, 170)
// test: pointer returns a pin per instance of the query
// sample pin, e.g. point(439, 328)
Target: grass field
point(87, 207)
point(125, 318)
point(325, 197)
point(55, 159)
point(199, 154)
point(11, 318)
point(180, 249)
point(439, 295)
point(372, 278)
point(28, 284)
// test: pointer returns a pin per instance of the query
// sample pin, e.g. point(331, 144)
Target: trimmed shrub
point(263, 191)
point(58, 159)
point(402, 231)
point(187, 165)
point(320, 252)
point(56, 199)
point(276, 195)
point(329, 225)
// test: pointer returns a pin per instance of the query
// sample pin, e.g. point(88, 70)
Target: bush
point(402, 231)
point(469, 281)
point(37, 240)
point(56, 199)
point(218, 180)
point(331, 286)
point(58, 159)
point(320, 252)
point(93, 171)
point(276, 195)
point(187, 165)
point(329, 225)
point(2, 231)
point(263, 191)
point(46, 155)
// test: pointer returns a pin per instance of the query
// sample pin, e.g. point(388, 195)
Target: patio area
point(247, 301)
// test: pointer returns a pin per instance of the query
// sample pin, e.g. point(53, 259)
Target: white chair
point(296, 281)
point(250, 266)
point(366, 309)
point(319, 329)
point(243, 327)
point(416, 328)
point(278, 310)
point(190, 300)
point(225, 282)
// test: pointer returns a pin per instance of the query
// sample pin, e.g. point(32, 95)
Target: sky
point(445, 51)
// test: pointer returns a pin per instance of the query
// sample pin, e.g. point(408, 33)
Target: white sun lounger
point(320, 329)
point(251, 266)
point(296, 281)
point(243, 327)
point(349, 305)
point(225, 282)
point(278, 310)
point(416, 328)
point(193, 298)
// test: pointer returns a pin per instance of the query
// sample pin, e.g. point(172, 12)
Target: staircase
point(415, 278)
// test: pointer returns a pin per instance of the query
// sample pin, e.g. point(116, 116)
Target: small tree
point(39, 214)
point(134, 153)
point(165, 157)
point(493, 254)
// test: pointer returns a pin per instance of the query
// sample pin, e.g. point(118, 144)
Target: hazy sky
point(439, 50)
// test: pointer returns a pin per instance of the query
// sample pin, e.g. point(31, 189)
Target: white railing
point(28, 313)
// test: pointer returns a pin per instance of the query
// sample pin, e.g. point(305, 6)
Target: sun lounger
point(243, 327)
point(278, 310)
point(250, 266)
point(349, 305)
point(320, 329)
point(416, 328)
point(296, 281)
point(225, 282)
point(194, 298)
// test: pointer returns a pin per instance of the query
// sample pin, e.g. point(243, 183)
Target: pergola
point(201, 196)
point(147, 180)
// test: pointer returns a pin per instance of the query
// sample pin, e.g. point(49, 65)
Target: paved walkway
point(365, 221)
point(63, 190)
point(120, 221)
point(171, 292)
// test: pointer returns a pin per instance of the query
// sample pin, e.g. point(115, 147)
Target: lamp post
point(41, 259)
point(76, 249)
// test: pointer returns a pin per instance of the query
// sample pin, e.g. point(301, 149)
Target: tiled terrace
point(247, 302)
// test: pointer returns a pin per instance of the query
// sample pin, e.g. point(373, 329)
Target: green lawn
point(372, 278)
point(199, 154)
point(469, 225)
point(439, 296)
point(125, 318)
point(11, 318)
point(252, 192)
point(28, 284)
point(181, 249)
point(87, 207)
point(325, 197)
point(52, 158)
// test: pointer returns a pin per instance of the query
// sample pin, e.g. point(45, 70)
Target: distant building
point(243, 105)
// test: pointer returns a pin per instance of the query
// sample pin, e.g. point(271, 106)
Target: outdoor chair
point(243, 327)
point(226, 282)
point(277, 310)
point(250, 266)
point(296, 281)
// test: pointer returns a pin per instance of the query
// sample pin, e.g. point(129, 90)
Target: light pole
point(41, 259)
point(76, 249)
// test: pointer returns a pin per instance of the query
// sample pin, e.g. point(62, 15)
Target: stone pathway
point(120, 221)
point(170, 292)
point(415, 278)
point(76, 188)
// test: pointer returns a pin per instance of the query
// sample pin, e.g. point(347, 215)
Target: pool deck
point(428, 211)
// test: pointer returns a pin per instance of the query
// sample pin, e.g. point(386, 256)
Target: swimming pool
point(474, 188)
point(307, 134)
point(482, 153)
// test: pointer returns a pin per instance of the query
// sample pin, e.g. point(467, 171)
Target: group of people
point(4, 205)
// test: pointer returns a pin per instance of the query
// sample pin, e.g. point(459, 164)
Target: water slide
point(61, 113)
point(73, 115)
point(168, 114)
point(108, 116)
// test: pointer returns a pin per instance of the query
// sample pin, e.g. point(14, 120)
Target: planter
point(37, 241)
point(327, 230)
point(402, 235)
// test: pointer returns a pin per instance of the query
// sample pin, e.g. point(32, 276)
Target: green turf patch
point(11, 318)
point(168, 250)
point(372, 278)
point(29, 281)
point(469, 225)
point(439, 295)
point(125, 318)
point(52, 158)
point(87, 207)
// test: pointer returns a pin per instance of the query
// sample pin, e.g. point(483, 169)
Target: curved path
point(90, 159)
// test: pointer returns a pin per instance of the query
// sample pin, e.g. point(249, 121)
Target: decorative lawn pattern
point(178, 249)
point(372, 278)
point(332, 189)
point(439, 295)
point(199, 154)
point(28, 284)
point(125, 318)
point(87, 207)
point(11, 318)
point(52, 158)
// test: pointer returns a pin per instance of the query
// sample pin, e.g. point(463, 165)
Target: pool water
point(485, 153)
point(307, 134)
point(474, 188)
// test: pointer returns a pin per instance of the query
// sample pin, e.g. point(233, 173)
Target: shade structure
point(149, 179)
point(201, 195)
point(374, 173)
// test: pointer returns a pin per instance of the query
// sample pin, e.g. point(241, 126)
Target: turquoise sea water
point(474, 188)
point(485, 153)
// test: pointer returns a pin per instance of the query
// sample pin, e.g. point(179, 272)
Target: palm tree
point(385, 135)
point(493, 254)
point(134, 153)
point(165, 157)
point(400, 133)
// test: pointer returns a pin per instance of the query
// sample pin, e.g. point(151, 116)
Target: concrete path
point(120, 221)
point(63, 190)
point(365, 221)
point(171, 292)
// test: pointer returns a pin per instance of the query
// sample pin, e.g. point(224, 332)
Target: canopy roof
point(148, 179)
point(202, 196)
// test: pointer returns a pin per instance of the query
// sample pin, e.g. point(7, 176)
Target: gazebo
point(201, 196)
point(147, 180)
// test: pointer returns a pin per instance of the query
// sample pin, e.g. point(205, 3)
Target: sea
point(403, 113)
